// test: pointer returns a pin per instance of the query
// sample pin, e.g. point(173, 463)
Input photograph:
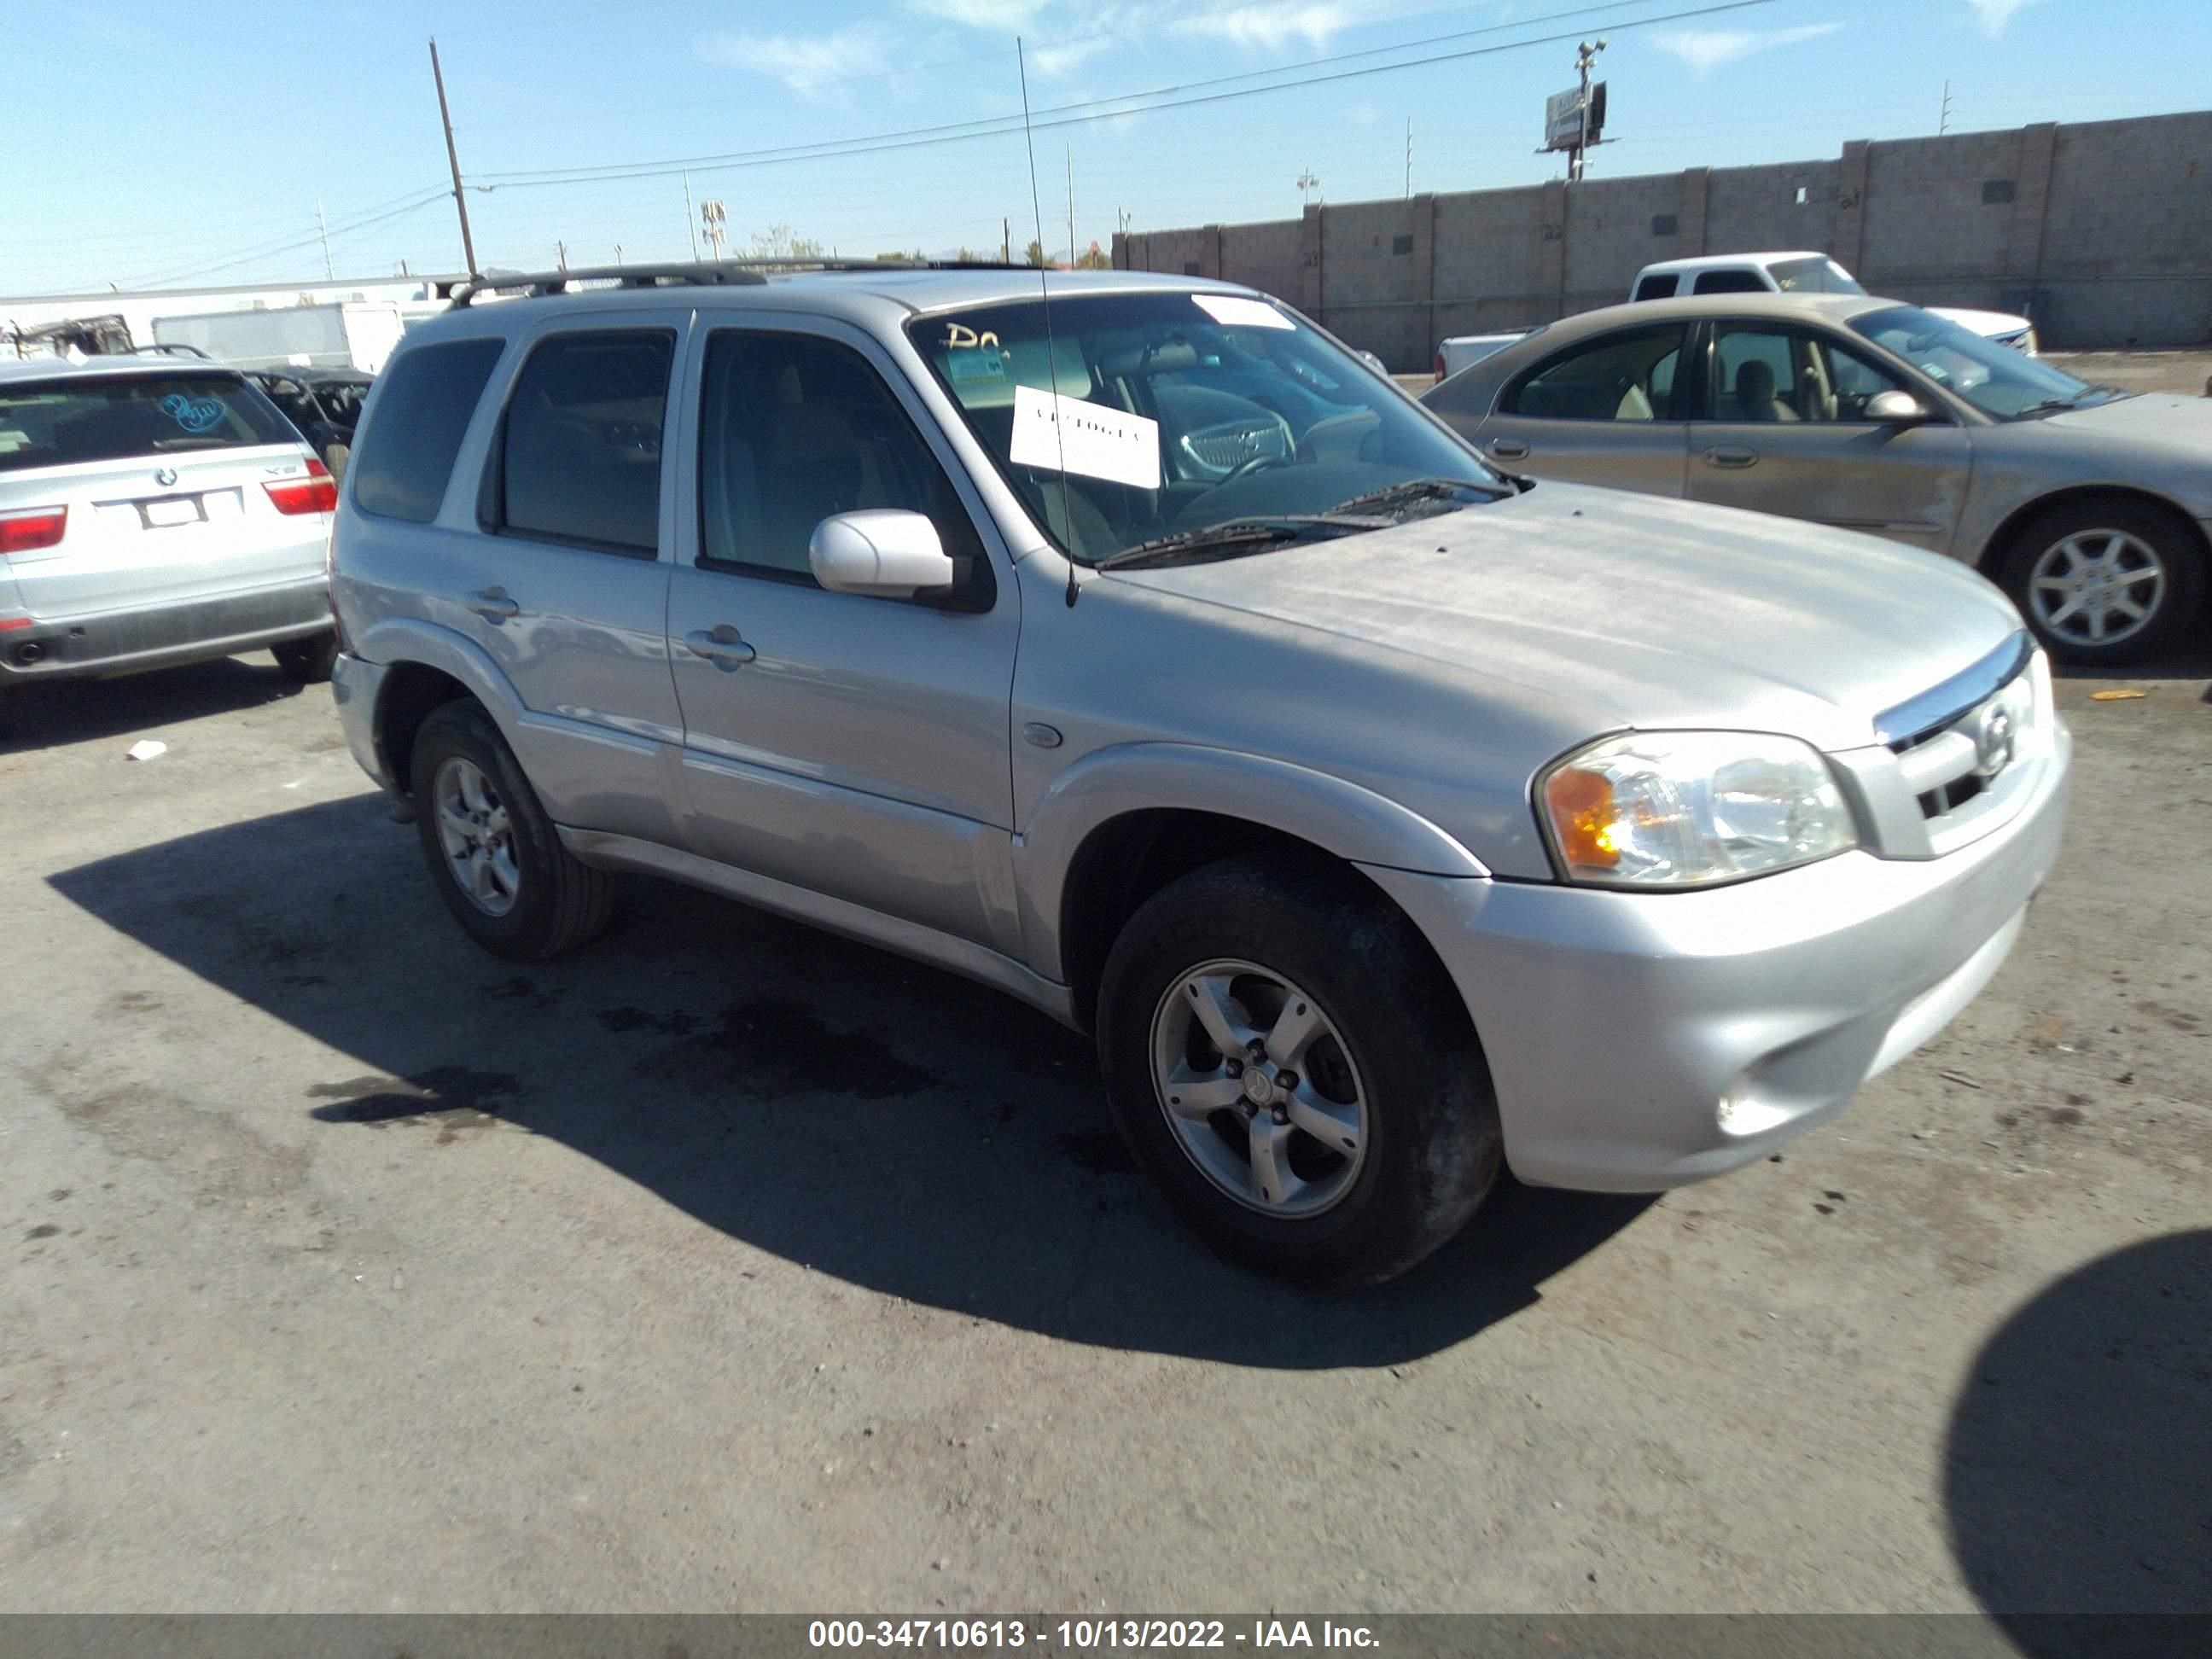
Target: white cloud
point(808, 64)
point(1066, 57)
point(1273, 24)
point(1007, 14)
point(1994, 15)
point(1706, 50)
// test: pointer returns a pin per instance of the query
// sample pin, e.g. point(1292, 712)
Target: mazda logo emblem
point(1993, 742)
point(165, 476)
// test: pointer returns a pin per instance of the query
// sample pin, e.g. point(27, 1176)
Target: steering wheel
point(1257, 464)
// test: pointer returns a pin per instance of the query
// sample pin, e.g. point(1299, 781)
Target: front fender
point(1355, 823)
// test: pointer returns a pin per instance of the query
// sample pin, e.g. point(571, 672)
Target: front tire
point(2106, 581)
point(493, 853)
point(1377, 1136)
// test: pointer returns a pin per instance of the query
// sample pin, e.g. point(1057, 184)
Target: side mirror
point(886, 552)
point(1375, 363)
point(1898, 409)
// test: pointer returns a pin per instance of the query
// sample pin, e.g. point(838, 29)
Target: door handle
point(1730, 455)
point(493, 605)
point(1508, 449)
point(722, 647)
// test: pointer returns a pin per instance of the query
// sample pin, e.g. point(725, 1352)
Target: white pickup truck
point(1799, 272)
point(1803, 273)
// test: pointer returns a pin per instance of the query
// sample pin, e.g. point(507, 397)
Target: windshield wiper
point(1251, 534)
point(1413, 491)
point(2051, 406)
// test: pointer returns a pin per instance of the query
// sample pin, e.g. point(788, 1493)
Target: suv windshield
point(1179, 412)
point(1813, 276)
point(62, 421)
point(1995, 378)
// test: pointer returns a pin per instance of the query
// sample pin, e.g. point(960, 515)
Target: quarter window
point(793, 430)
point(579, 449)
point(1622, 377)
point(404, 457)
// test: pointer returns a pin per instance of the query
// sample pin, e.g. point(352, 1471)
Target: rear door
point(1782, 428)
point(1601, 412)
point(175, 488)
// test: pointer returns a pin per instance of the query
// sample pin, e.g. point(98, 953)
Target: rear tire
point(2088, 566)
point(495, 856)
point(310, 660)
point(1393, 1074)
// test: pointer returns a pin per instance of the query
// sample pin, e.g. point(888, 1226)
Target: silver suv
point(152, 512)
point(1145, 655)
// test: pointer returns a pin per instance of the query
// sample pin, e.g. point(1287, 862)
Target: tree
point(1034, 254)
point(777, 242)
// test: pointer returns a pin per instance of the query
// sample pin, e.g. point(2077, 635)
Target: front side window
point(1621, 377)
point(1813, 276)
point(65, 420)
point(1764, 373)
point(794, 429)
point(1730, 282)
point(1995, 378)
point(580, 453)
point(405, 456)
point(1163, 414)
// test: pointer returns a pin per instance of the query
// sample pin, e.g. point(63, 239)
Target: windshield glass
point(1813, 276)
point(1180, 411)
point(1995, 378)
point(65, 420)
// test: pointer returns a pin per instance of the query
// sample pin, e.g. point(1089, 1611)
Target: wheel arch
point(425, 667)
point(1123, 823)
point(1990, 560)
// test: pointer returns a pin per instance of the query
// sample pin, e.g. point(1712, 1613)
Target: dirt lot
point(727, 1265)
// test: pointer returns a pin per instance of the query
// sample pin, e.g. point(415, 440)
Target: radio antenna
point(1051, 352)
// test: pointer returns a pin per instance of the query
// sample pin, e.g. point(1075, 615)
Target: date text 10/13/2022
point(1083, 1635)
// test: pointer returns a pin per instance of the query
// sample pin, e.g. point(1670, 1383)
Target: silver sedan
point(2091, 506)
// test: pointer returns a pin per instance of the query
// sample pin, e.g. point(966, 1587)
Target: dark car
point(325, 404)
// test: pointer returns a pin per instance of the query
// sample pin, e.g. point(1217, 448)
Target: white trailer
point(340, 334)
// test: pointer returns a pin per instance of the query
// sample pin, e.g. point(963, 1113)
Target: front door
point(854, 746)
point(1782, 429)
point(1602, 412)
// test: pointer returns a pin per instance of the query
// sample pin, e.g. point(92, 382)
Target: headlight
point(1685, 809)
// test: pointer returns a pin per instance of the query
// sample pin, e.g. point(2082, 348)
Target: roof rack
point(703, 273)
point(536, 284)
point(170, 349)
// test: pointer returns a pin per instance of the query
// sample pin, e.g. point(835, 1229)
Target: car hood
point(1988, 323)
point(2156, 417)
point(1608, 611)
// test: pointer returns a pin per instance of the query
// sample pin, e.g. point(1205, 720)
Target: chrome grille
point(1961, 759)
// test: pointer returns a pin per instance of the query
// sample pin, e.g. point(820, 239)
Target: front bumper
point(355, 683)
point(128, 640)
point(1639, 1041)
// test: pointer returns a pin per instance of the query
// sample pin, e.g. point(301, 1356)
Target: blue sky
point(158, 144)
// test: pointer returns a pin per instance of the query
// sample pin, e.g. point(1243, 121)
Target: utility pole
point(1943, 121)
point(713, 217)
point(1585, 55)
point(454, 161)
point(324, 226)
point(1005, 242)
point(563, 249)
point(1307, 185)
point(617, 253)
point(690, 220)
point(1070, 207)
point(1409, 158)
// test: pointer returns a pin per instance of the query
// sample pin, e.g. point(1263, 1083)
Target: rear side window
point(62, 422)
point(1656, 287)
point(406, 456)
point(1730, 282)
point(579, 450)
point(1618, 377)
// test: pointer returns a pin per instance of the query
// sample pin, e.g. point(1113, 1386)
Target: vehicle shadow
point(2078, 1471)
point(50, 714)
point(2189, 660)
point(839, 1107)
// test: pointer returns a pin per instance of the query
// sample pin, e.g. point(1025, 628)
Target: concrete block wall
point(2100, 231)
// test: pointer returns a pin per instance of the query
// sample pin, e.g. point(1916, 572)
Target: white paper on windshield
point(1233, 312)
point(1091, 439)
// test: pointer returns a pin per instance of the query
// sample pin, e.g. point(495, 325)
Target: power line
point(1077, 114)
point(309, 240)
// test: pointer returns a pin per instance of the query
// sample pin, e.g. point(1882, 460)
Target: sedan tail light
point(32, 527)
point(316, 492)
point(1440, 365)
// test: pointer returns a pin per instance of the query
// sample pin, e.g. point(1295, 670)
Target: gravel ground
point(728, 1266)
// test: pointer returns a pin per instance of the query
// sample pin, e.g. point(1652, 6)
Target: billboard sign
point(1563, 117)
